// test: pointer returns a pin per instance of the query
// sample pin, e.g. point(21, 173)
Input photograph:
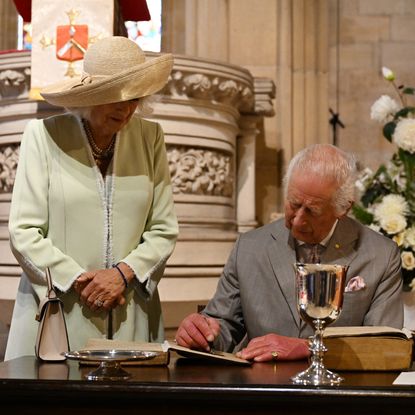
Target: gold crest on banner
point(62, 32)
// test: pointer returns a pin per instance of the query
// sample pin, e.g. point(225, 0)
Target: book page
point(405, 378)
point(214, 354)
point(367, 331)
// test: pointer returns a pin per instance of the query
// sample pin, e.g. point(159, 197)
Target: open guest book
point(377, 348)
point(163, 352)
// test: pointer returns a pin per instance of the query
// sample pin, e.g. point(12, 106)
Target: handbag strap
point(51, 296)
point(51, 291)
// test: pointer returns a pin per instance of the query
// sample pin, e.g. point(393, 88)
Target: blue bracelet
point(122, 275)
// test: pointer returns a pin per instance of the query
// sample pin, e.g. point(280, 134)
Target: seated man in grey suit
point(254, 307)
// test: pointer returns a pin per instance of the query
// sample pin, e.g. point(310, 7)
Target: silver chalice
point(320, 289)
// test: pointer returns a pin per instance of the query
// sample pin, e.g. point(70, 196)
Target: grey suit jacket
point(256, 292)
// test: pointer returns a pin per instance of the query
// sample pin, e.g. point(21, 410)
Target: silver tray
point(109, 368)
point(110, 355)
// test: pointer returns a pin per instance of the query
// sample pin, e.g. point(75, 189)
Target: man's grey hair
point(327, 161)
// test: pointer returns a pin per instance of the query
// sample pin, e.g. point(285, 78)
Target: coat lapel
point(341, 247)
point(282, 257)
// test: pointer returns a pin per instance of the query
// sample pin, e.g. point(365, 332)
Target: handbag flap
point(43, 305)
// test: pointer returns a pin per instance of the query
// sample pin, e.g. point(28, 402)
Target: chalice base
point(317, 375)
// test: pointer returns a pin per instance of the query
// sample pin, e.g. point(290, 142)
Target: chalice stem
point(318, 349)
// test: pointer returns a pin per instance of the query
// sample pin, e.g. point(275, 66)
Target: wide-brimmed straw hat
point(115, 69)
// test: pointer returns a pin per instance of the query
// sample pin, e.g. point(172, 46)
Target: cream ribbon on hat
point(86, 78)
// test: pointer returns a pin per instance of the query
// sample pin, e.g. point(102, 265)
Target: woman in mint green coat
point(92, 201)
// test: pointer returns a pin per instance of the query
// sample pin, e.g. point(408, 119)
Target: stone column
point(264, 90)
point(8, 25)
point(245, 213)
point(302, 74)
point(196, 28)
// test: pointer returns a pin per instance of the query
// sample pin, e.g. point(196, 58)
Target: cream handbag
point(52, 336)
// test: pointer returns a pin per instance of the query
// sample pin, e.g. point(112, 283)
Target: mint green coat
point(64, 215)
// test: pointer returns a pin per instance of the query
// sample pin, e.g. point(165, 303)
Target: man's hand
point(275, 347)
point(196, 331)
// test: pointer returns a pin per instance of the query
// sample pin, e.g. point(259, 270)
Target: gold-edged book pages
point(162, 358)
point(377, 348)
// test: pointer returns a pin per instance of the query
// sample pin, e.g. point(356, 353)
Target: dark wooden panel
point(190, 386)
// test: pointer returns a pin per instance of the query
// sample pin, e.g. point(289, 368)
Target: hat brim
point(139, 81)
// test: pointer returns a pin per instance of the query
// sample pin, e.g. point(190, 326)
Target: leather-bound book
point(377, 348)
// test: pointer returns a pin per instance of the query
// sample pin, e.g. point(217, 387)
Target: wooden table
point(189, 386)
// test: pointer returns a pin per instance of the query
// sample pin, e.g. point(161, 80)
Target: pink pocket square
point(355, 284)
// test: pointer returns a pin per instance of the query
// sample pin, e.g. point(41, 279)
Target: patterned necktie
point(312, 253)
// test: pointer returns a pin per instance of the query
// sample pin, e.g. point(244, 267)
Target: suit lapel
point(341, 248)
point(282, 257)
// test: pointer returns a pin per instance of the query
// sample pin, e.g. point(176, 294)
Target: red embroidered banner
point(135, 10)
point(71, 42)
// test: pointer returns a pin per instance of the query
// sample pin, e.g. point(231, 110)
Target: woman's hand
point(101, 289)
point(83, 280)
point(275, 347)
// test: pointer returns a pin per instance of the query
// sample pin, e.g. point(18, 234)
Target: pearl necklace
point(97, 152)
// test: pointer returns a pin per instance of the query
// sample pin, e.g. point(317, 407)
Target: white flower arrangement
point(408, 260)
point(391, 205)
point(384, 109)
point(409, 238)
point(387, 202)
point(404, 135)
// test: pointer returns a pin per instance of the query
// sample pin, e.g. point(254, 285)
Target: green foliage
point(404, 112)
point(409, 91)
point(388, 130)
point(362, 215)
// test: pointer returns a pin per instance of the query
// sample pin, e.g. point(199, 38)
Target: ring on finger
point(99, 303)
point(274, 355)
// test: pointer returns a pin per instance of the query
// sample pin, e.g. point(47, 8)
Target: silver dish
point(109, 362)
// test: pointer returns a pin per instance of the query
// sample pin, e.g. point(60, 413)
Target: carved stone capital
point(14, 83)
point(210, 87)
point(264, 94)
point(9, 156)
point(200, 171)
